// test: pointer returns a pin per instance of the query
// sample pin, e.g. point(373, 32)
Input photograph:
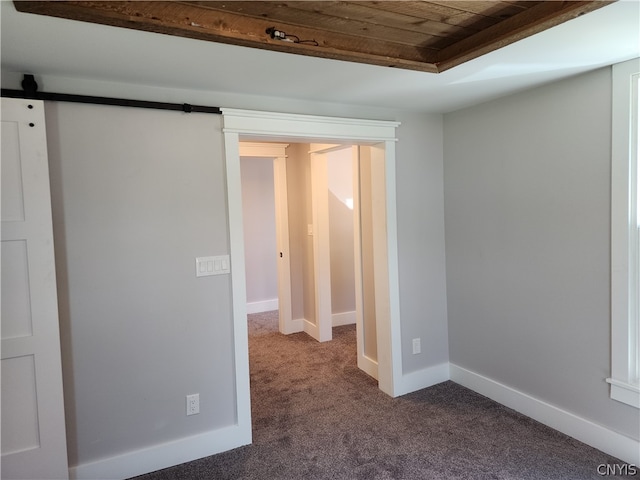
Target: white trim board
point(238, 291)
point(312, 127)
point(343, 318)
point(296, 326)
point(425, 378)
point(262, 306)
point(138, 462)
point(581, 429)
point(310, 328)
point(624, 235)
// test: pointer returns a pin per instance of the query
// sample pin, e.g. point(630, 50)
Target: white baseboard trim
point(297, 325)
point(309, 328)
point(597, 436)
point(427, 377)
point(262, 306)
point(368, 366)
point(343, 318)
point(165, 455)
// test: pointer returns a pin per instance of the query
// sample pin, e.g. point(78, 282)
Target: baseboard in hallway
point(262, 306)
point(343, 318)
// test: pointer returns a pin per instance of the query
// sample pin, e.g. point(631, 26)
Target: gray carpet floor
point(317, 416)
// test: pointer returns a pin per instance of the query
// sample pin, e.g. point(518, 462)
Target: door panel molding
point(33, 424)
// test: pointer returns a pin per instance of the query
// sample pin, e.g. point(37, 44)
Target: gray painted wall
point(421, 265)
point(421, 260)
point(136, 196)
point(259, 223)
point(527, 214)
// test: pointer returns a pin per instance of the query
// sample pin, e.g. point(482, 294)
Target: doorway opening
point(378, 138)
point(322, 274)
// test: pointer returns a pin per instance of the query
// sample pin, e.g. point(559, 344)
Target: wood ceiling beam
point(315, 16)
point(192, 21)
point(225, 24)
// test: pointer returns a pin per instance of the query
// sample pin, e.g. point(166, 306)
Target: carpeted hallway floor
point(316, 416)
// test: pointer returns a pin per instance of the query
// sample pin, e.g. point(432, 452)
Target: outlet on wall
point(416, 346)
point(193, 404)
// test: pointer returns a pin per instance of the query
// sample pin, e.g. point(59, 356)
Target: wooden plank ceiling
point(417, 35)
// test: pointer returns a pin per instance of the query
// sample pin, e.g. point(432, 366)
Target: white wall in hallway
point(258, 207)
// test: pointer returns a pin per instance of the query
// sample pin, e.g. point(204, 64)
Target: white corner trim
point(625, 392)
point(427, 377)
point(368, 366)
point(296, 326)
point(597, 436)
point(343, 318)
point(310, 328)
point(262, 306)
point(624, 233)
point(238, 284)
point(165, 455)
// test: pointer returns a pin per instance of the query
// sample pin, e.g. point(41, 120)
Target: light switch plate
point(218, 265)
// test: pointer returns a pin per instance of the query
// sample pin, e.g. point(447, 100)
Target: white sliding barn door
point(33, 429)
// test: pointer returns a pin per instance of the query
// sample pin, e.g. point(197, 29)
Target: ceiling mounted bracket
point(29, 85)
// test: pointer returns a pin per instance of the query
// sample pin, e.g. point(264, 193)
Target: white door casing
point(268, 126)
point(33, 426)
point(365, 362)
point(287, 324)
point(321, 329)
point(321, 231)
point(381, 265)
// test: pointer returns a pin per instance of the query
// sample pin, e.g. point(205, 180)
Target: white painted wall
point(340, 182)
point(527, 202)
point(259, 230)
point(259, 220)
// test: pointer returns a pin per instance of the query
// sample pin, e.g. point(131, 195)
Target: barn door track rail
point(30, 91)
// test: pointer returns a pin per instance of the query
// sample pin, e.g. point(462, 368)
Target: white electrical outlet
point(416, 346)
point(193, 404)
